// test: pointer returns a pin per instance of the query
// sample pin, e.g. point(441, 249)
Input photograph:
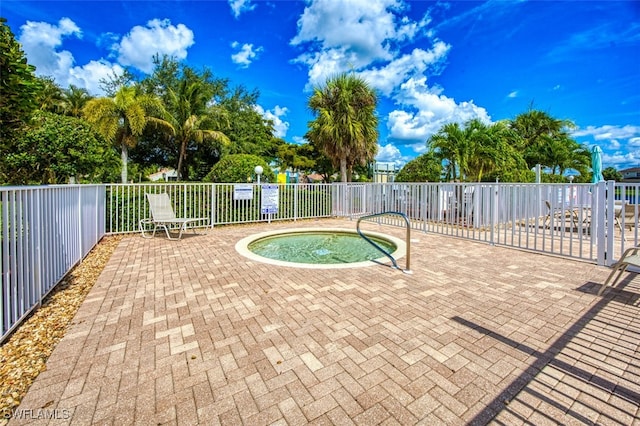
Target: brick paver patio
point(191, 332)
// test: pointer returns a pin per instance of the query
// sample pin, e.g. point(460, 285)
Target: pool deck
point(191, 332)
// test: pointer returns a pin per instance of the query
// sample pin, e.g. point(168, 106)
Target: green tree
point(248, 131)
point(345, 127)
point(426, 167)
point(193, 105)
point(239, 168)
point(194, 120)
point(291, 156)
point(50, 96)
point(449, 145)
point(610, 173)
point(321, 164)
point(494, 153)
point(123, 118)
point(561, 153)
point(545, 140)
point(54, 148)
point(19, 88)
point(74, 99)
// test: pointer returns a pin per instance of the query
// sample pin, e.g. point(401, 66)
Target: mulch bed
point(24, 355)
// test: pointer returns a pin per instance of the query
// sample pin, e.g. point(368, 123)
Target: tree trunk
point(343, 170)
point(124, 157)
point(181, 157)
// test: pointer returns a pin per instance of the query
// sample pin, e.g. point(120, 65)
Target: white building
point(384, 172)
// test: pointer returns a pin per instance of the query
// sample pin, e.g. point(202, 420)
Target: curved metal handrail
point(373, 243)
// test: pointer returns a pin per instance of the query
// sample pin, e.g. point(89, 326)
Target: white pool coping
point(242, 247)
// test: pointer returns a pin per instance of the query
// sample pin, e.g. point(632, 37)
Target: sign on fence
point(269, 202)
point(242, 192)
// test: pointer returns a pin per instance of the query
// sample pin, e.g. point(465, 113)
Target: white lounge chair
point(630, 257)
point(163, 216)
point(559, 215)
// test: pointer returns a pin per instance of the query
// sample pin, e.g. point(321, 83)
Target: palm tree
point(122, 119)
point(494, 151)
point(346, 125)
point(194, 119)
point(535, 129)
point(74, 99)
point(448, 145)
point(50, 96)
point(561, 154)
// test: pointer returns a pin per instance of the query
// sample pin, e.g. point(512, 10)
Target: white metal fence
point(583, 221)
point(45, 232)
point(220, 203)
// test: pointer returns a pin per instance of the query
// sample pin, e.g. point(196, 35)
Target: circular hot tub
point(319, 248)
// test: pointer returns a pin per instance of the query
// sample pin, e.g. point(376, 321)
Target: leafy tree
point(345, 127)
point(495, 153)
point(449, 145)
point(74, 99)
point(194, 111)
point(239, 168)
point(50, 96)
point(545, 140)
point(55, 148)
point(610, 173)
point(426, 167)
point(291, 156)
point(18, 89)
point(193, 120)
point(562, 153)
point(249, 132)
point(322, 164)
point(123, 118)
point(114, 82)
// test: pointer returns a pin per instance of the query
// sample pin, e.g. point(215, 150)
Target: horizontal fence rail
point(45, 231)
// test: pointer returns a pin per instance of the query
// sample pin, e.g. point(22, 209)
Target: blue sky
point(430, 62)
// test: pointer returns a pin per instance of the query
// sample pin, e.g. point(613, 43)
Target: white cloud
point(367, 38)
point(389, 153)
point(611, 138)
point(418, 148)
point(299, 140)
point(343, 38)
point(608, 132)
point(513, 94)
point(158, 37)
point(240, 6)
point(387, 79)
point(39, 42)
point(88, 76)
point(429, 110)
point(280, 127)
point(621, 160)
point(245, 55)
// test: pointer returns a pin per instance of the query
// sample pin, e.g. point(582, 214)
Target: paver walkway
point(191, 332)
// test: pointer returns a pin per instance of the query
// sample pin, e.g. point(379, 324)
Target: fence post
point(599, 220)
point(295, 201)
point(610, 220)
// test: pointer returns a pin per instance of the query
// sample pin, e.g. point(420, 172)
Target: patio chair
point(163, 216)
point(630, 257)
point(559, 213)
